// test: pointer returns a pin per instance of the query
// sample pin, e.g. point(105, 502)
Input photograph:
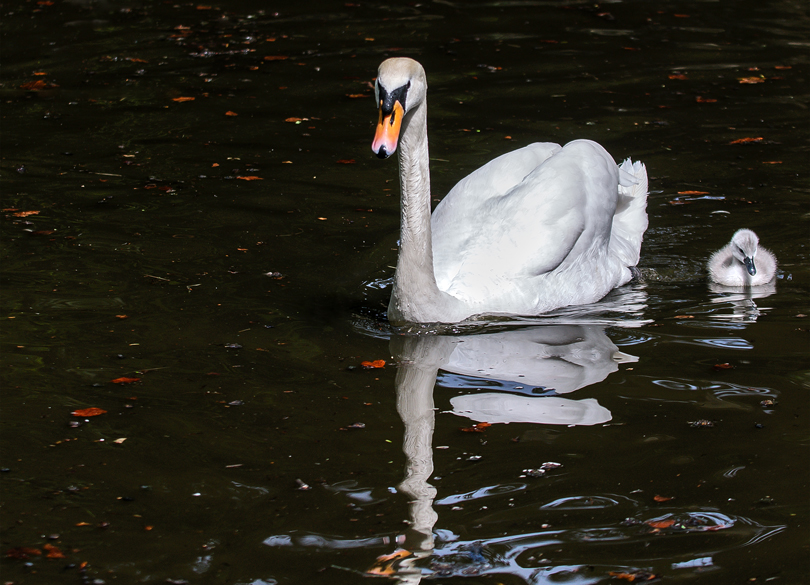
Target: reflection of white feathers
point(562, 358)
point(743, 306)
point(742, 262)
point(499, 407)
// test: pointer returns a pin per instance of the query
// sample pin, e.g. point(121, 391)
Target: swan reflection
point(744, 308)
point(530, 367)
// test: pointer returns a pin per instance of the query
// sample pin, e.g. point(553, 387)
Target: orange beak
point(387, 135)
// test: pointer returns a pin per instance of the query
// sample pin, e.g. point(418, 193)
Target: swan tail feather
point(630, 219)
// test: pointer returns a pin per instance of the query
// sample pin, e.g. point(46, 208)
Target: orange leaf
point(183, 99)
point(346, 161)
point(747, 140)
point(34, 85)
point(751, 80)
point(374, 364)
point(88, 412)
point(703, 100)
point(250, 178)
point(724, 366)
point(477, 428)
point(677, 76)
point(124, 380)
point(661, 523)
point(772, 162)
point(357, 95)
point(275, 57)
point(22, 552)
point(662, 498)
point(82, 524)
point(693, 192)
point(684, 316)
point(53, 552)
point(25, 213)
point(229, 113)
point(294, 119)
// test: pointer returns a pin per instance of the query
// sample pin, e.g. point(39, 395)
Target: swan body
point(539, 228)
point(742, 262)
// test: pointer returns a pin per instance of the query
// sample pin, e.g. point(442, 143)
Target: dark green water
point(246, 306)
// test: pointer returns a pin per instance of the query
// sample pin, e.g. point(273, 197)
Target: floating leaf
point(25, 213)
point(22, 552)
point(693, 192)
point(660, 523)
point(250, 178)
point(662, 498)
point(724, 366)
point(88, 412)
point(477, 428)
point(230, 113)
point(751, 80)
point(53, 552)
point(374, 364)
point(704, 100)
point(124, 380)
point(183, 99)
point(276, 57)
point(346, 161)
point(747, 140)
point(677, 76)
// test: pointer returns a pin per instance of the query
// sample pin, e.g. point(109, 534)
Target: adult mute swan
point(533, 230)
point(742, 262)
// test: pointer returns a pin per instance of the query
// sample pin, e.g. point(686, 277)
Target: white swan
point(533, 230)
point(742, 262)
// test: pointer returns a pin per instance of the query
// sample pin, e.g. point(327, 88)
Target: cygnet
point(742, 262)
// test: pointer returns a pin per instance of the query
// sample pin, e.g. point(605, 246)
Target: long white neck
point(416, 296)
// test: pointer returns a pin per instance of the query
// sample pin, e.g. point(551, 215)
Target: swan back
point(742, 262)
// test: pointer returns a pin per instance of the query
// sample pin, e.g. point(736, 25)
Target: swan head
point(744, 244)
point(401, 87)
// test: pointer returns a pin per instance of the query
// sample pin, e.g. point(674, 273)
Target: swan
point(533, 230)
point(742, 262)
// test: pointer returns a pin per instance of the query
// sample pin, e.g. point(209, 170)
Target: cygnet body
point(742, 262)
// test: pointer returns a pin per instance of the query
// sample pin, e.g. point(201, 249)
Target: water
point(245, 306)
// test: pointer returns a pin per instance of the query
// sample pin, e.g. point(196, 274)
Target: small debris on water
point(541, 471)
point(702, 423)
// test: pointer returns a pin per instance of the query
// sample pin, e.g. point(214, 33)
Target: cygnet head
point(401, 87)
point(744, 244)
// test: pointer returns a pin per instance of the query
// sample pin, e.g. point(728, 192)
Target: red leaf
point(88, 412)
point(124, 380)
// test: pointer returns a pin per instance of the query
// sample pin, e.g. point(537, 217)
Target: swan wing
point(458, 218)
point(561, 213)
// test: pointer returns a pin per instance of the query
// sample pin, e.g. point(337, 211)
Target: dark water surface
point(232, 251)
